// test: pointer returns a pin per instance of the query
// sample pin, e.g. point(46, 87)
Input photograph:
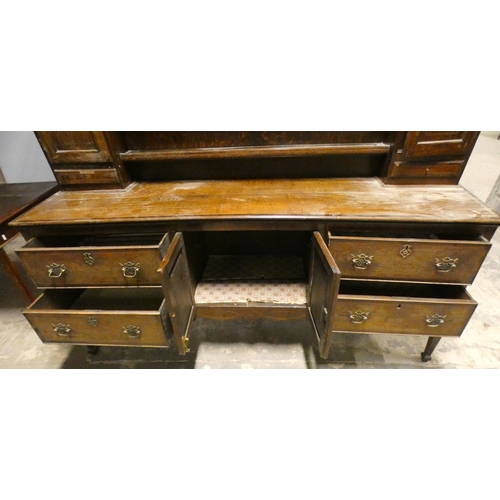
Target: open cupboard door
point(177, 288)
point(324, 282)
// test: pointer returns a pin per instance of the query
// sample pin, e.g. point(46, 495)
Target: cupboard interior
point(249, 266)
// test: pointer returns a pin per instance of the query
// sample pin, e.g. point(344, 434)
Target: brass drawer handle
point(361, 261)
point(435, 320)
point(62, 330)
point(132, 331)
point(358, 316)
point(445, 265)
point(130, 269)
point(56, 270)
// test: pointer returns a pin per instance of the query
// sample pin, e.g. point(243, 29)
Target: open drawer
point(264, 271)
point(126, 317)
point(431, 310)
point(94, 261)
point(431, 260)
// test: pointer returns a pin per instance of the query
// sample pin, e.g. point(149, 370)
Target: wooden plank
point(255, 151)
point(351, 199)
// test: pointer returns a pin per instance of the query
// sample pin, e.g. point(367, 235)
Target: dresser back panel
point(150, 141)
point(257, 168)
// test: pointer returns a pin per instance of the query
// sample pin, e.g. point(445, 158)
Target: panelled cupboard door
point(324, 282)
point(74, 147)
point(176, 284)
point(420, 145)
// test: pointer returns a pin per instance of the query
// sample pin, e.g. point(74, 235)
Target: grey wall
point(22, 158)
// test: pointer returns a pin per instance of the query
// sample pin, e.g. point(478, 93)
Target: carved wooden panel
point(67, 147)
point(430, 144)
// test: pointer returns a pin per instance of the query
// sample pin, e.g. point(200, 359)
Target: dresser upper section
point(106, 160)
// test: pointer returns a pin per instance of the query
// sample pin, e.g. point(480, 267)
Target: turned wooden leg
point(92, 349)
point(429, 348)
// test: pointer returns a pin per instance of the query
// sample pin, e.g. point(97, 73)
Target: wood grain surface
point(418, 264)
point(352, 199)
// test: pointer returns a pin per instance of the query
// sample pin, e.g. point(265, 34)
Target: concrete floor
point(266, 344)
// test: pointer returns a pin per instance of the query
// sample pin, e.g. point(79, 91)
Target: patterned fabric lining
point(243, 292)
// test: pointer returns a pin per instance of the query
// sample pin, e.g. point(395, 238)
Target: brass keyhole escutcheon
point(406, 251)
point(88, 259)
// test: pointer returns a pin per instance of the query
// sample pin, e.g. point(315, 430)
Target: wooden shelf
point(256, 152)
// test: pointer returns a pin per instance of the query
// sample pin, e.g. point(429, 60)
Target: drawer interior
point(110, 299)
point(402, 290)
point(257, 267)
point(409, 234)
point(49, 242)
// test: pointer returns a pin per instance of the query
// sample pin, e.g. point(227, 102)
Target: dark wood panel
point(257, 168)
point(15, 199)
point(177, 288)
point(324, 282)
point(72, 141)
point(430, 144)
point(68, 147)
point(152, 141)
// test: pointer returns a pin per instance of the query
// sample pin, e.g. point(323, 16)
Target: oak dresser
point(360, 232)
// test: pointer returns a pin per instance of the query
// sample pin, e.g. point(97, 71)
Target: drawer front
point(429, 317)
point(418, 260)
point(92, 266)
point(434, 170)
point(92, 327)
point(87, 176)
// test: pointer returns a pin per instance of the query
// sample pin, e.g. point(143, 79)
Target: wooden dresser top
point(356, 199)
